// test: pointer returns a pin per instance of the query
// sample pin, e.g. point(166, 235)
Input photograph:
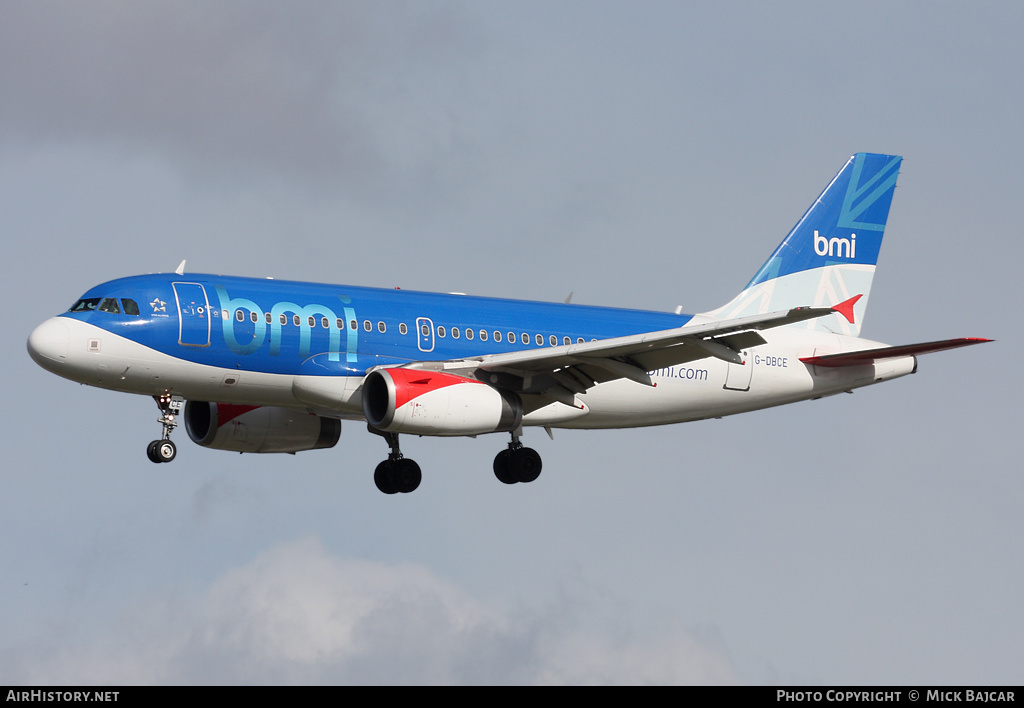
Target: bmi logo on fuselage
point(835, 247)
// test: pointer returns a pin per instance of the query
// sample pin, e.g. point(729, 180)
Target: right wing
point(563, 371)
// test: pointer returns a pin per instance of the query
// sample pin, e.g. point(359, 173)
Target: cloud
point(323, 89)
point(297, 614)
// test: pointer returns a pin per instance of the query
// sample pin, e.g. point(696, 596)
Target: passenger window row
point(455, 332)
point(323, 322)
point(130, 307)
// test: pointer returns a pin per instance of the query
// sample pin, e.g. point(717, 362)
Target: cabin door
point(193, 314)
point(737, 376)
point(425, 334)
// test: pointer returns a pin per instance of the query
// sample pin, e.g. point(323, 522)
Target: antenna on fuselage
point(180, 270)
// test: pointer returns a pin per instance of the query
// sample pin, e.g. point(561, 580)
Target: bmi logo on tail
point(844, 247)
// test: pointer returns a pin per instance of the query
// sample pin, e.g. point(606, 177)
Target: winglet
point(180, 270)
point(845, 308)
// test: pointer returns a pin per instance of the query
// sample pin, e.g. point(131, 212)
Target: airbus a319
point(275, 366)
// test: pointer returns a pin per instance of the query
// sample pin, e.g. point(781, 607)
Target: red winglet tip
point(845, 308)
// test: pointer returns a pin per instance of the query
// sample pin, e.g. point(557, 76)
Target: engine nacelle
point(226, 426)
point(434, 403)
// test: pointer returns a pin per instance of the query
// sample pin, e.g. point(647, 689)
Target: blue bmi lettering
point(305, 316)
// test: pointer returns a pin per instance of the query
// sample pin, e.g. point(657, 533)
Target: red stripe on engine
point(226, 412)
point(411, 383)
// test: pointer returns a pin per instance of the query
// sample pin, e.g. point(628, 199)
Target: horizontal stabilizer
point(870, 356)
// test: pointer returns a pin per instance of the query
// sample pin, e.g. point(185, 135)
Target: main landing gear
point(163, 450)
point(397, 473)
point(517, 463)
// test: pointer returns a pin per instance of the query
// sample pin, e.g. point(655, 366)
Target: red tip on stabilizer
point(845, 308)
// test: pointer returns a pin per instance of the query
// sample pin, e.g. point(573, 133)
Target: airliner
point(263, 365)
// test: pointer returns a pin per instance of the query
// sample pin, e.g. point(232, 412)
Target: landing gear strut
point(517, 463)
point(397, 473)
point(164, 450)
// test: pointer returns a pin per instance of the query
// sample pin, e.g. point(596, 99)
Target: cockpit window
point(109, 304)
point(106, 304)
point(85, 305)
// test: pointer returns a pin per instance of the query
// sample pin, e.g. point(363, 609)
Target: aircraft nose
point(48, 343)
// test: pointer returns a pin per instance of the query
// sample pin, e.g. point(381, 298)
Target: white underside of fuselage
point(771, 375)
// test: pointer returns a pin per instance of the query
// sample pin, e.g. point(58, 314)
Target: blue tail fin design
point(829, 257)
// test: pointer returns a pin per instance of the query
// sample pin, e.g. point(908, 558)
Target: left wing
point(563, 371)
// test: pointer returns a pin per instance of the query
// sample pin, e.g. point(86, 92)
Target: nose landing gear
point(164, 450)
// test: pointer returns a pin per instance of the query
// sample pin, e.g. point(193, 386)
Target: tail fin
point(829, 257)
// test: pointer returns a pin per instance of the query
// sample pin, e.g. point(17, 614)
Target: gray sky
point(642, 154)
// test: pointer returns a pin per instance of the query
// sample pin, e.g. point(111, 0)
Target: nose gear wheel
point(164, 450)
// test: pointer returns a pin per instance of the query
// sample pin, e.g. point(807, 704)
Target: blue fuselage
point(287, 327)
